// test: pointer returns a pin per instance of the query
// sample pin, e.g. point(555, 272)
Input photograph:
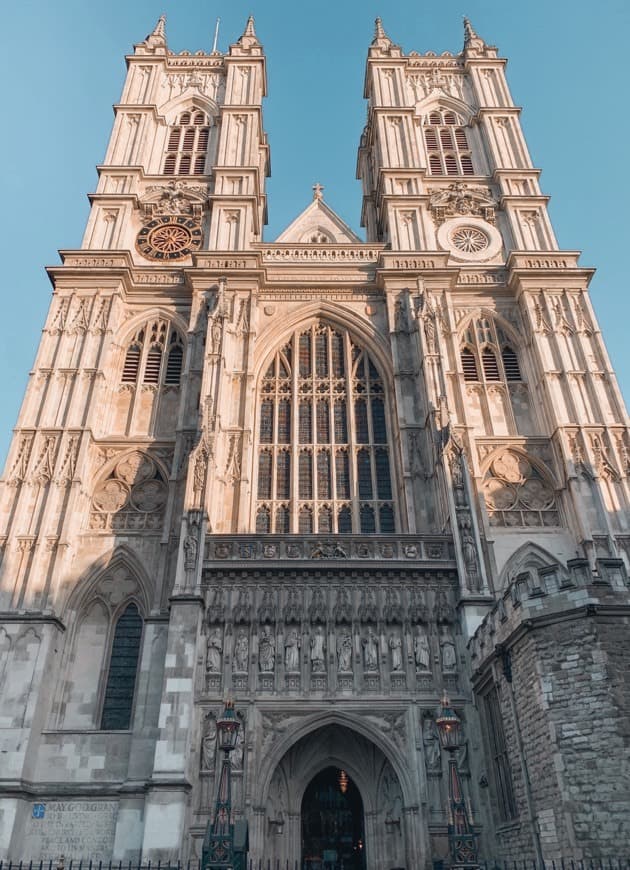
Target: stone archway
point(387, 844)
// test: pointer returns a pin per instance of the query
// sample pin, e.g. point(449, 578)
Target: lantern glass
point(449, 726)
point(227, 727)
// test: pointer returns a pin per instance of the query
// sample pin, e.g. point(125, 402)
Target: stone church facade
point(331, 477)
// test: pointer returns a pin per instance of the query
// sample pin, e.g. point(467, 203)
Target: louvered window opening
point(323, 454)
point(486, 354)
point(188, 145)
point(122, 671)
point(448, 151)
point(155, 355)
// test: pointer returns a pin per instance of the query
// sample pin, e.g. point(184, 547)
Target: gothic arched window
point(323, 457)
point(187, 145)
point(487, 354)
point(122, 670)
point(446, 143)
point(155, 355)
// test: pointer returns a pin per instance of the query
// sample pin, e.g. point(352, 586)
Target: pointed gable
point(318, 224)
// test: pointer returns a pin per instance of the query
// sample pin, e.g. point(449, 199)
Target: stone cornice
point(24, 617)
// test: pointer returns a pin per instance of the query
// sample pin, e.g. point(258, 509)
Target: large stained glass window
point(323, 454)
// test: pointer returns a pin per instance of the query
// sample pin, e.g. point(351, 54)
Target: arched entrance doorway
point(291, 794)
point(332, 821)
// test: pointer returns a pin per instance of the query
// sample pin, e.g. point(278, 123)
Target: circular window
point(169, 238)
point(470, 240)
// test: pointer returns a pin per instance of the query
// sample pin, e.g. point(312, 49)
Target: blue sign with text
point(39, 811)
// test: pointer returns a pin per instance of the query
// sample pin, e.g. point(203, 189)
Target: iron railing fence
point(617, 863)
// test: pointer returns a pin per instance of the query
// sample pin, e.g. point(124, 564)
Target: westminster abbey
point(332, 477)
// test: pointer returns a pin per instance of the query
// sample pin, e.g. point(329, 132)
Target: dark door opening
point(332, 823)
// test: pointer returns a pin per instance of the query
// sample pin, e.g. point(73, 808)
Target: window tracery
point(486, 353)
point(448, 150)
point(131, 497)
point(155, 355)
point(187, 145)
point(323, 456)
point(518, 494)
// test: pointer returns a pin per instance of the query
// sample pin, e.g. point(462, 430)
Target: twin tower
point(332, 477)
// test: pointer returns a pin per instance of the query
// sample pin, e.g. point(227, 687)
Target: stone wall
point(556, 647)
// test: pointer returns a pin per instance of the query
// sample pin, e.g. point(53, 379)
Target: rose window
point(469, 240)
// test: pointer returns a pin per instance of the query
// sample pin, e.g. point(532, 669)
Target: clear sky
point(62, 67)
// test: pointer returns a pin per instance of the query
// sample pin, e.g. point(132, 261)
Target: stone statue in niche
point(395, 645)
point(241, 651)
point(431, 742)
point(469, 552)
point(422, 651)
point(457, 478)
point(292, 651)
point(444, 610)
point(447, 649)
point(391, 796)
point(209, 743)
point(266, 650)
point(237, 754)
point(214, 650)
point(344, 652)
point(370, 651)
point(400, 316)
point(190, 552)
point(318, 650)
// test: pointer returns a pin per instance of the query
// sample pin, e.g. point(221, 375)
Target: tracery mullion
point(352, 444)
point(314, 431)
point(508, 406)
point(295, 439)
point(371, 438)
point(146, 345)
point(334, 502)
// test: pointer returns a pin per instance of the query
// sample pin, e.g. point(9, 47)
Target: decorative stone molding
point(389, 548)
point(460, 198)
point(173, 198)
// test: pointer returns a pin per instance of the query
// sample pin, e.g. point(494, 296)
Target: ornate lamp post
point(218, 846)
point(462, 839)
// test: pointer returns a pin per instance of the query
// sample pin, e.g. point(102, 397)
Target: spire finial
point(318, 191)
point(159, 29)
point(380, 37)
point(249, 27)
point(249, 39)
point(156, 40)
point(472, 40)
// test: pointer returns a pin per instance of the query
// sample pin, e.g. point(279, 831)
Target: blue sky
point(62, 67)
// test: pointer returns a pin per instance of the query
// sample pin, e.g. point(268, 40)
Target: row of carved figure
point(270, 647)
point(368, 605)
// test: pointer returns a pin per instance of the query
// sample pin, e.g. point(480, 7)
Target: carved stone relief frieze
point(264, 638)
point(461, 198)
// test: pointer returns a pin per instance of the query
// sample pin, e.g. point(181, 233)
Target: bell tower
point(513, 364)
